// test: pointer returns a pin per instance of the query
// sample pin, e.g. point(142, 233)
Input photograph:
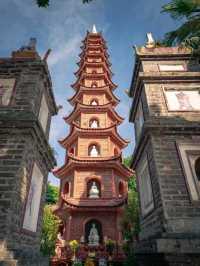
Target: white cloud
point(70, 47)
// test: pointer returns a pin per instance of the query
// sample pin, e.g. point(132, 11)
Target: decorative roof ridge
point(85, 52)
point(100, 202)
point(96, 107)
point(58, 171)
point(89, 45)
point(75, 131)
point(106, 88)
point(77, 128)
point(106, 60)
point(99, 106)
point(94, 159)
point(100, 38)
point(95, 77)
point(92, 64)
point(94, 129)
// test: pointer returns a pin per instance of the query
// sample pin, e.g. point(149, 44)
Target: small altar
point(98, 254)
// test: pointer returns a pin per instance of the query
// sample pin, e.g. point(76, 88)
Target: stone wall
point(23, 142)
point(170, 233)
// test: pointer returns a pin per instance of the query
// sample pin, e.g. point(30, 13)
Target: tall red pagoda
point(93, 179)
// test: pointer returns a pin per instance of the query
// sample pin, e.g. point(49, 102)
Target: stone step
point(8, 262)
point(4, 254)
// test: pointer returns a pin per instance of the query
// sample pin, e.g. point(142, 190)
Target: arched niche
point(94, 123)
point(116, 152)
point(197, 168)
point(61, 228)
point(88, 227)
point(94, 84)
point(94, 71)
point(90, 183)
point(66, 189)
point(94, 150)
point(94, 102)
point(71, 150)
point(121, 189)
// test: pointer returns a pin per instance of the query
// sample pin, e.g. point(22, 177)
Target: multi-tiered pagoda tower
point(93, 178)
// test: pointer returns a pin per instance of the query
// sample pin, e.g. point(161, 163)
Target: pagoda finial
point(94, 30)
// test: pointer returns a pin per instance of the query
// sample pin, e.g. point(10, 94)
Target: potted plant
point(110, 245)
point(74, 246)
point(89, 262)
point(77, 263)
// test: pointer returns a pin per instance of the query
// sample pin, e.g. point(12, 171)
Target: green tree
point(189, 32)
point(52, 194)
point(49, 231)
point(45, 3)
point(130, 220)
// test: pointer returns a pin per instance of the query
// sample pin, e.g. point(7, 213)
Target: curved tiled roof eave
point(94, 108)
point(112, 163)
point(108, 91)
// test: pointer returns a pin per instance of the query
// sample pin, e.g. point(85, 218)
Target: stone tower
point(166, 113)
point(93, 179)
point(26, 107)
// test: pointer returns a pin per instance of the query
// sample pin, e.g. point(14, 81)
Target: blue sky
point(63, 25)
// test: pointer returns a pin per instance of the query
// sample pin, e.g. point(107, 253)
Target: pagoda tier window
point(94, 60)
point(93, 188)
point(94, 123)
point(71, 151)
point(94, 102)
point(94, 150)
point(96, 70)
point(94, 85)
point(116, 152)
point(94, 51)
point(66, 189)
point(121, 189)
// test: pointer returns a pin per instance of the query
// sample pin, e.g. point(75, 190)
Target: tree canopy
point(50, 221)
point(49, 231)
point(189, 32)
point(52, 194)
point(130, 221)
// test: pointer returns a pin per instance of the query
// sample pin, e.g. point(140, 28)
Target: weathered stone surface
point(23, 143)
point(170, 234)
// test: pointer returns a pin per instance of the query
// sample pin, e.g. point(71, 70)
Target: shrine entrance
point(95, 226)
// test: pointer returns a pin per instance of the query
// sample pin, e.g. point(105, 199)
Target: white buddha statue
point(94, 192)
point(93, 236)
point(94, 124)
point(94, 151)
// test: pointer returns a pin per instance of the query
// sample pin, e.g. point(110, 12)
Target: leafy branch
point(188, 33)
